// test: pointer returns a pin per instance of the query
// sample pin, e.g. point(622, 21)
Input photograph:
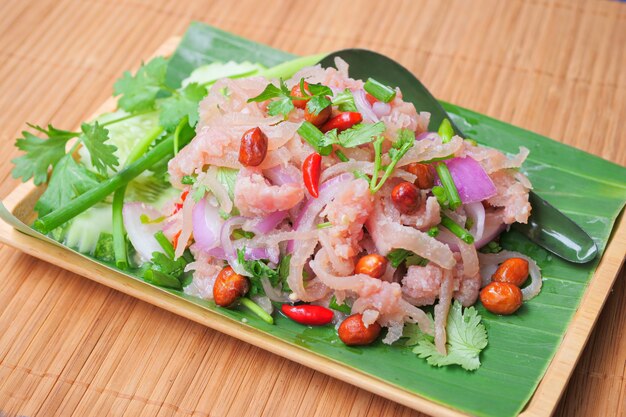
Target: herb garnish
point(317, 99)
point(405, 141)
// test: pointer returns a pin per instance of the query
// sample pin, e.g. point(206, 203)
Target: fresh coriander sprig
point(405, 141)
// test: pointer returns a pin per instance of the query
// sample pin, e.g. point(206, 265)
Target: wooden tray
point(20, 203)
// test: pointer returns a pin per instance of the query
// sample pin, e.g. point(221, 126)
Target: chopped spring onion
point(342, 157)
point(440, 193)
point(188, 180)
point(119, 239)
point(314, 137)
point(165, 244)
point(449, 224)
point(446, 131)
point(324, 225)
point(447, 182)
point(433, 231)
point(380, 91)
point(256, 309)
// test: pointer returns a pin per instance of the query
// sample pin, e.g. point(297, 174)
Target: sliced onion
point(264, 225)
point(313, 206)
point(207, 225)
point(274, 294)
point(381, 109)
point(264, 302)
point(471, 180)
point(490, 261)
point(494, 225)
point(283, 174)
point(364, 107)
point(187, 227)
point(141, 235)
point(476, 211)
point(230, 253)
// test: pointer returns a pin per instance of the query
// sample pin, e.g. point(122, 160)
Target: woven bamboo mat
point(74, 348)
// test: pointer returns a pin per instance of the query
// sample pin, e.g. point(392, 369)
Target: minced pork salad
point(320, 196)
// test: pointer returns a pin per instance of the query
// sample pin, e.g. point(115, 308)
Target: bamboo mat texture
point(71, 347)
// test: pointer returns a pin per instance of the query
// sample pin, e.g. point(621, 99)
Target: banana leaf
point(589, 189)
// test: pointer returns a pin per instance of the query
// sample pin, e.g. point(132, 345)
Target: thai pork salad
point(320, 197)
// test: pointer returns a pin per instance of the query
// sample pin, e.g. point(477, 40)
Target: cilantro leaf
point(345, 101)
point(167, 272)
point(41, 154)
point(102, 154)
point(360, 134)
point(139, 92)
point(259, 269)
point(467, 337)
point(282, 106)
point(317, 103)
point(182, 104)
point(270, 92)
point(69, 180)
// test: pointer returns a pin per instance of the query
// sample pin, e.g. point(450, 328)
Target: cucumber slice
point(210, 73)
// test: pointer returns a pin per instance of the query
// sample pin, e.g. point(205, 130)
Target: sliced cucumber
point(210, 73)
point(83, 233)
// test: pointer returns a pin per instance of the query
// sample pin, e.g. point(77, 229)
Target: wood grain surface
point(69, 346)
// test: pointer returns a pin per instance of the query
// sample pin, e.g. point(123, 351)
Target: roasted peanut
point(229, 287)
point(513, 270)
point(352, 331)
point(501, 298)
point(406, 197)
point(425, 177)
point(253, 147)
point(373, 265)
point(320, 118)
point(295, 92)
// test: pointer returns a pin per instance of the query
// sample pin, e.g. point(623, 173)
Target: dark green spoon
point(547, 227)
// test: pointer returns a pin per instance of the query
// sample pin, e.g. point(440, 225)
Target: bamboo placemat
point(71, 347)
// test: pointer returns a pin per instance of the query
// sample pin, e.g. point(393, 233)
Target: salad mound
point(320, 195)
point(352, 213)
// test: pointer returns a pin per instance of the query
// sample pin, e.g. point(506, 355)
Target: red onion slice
point(381, 109)
point(207, 225)
point(476, 211)
point(141, 235)
point(470, 179)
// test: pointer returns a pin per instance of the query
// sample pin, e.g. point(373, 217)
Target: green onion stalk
point(81, 203)
point(460, 232)
point(119, 238)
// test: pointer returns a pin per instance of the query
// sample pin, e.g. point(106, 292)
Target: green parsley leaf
point(467, 337)
point(69, 180)
point(183, 103)
point(345, 101)
point(102, 155)
point(41, 154)
point(139, 92)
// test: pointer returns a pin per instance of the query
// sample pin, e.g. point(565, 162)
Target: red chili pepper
point(175, 239)
point(308, 314)
point(311, 168)
point(370, 98)
point(342, 121)
point(179, 206)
